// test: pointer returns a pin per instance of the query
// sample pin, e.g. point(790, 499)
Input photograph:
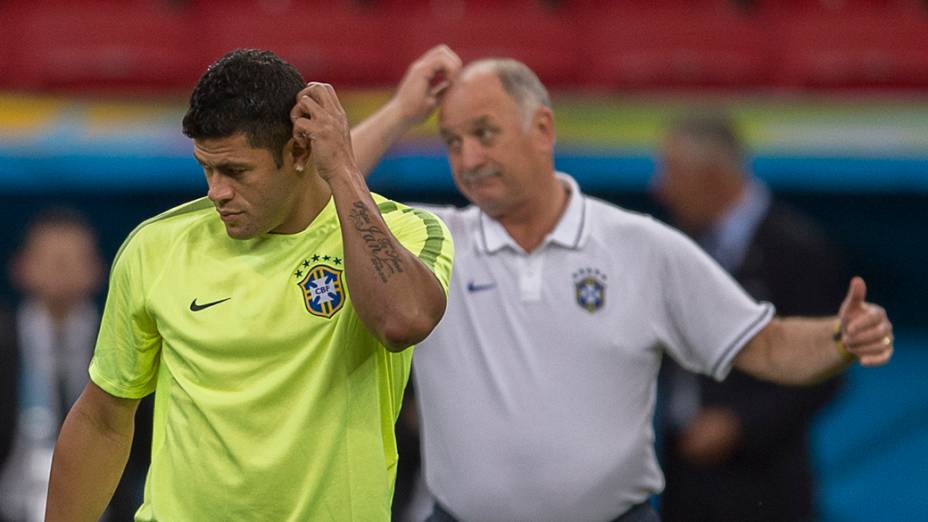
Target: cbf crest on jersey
point(590, 289)
point(322, 285)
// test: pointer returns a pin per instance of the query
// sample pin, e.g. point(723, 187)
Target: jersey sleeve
point(705, 318)
point(126, 357)
point(423, 234)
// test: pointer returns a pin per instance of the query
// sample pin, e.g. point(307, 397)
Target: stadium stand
point(6, 43)
point(139, 44)
point(869, 44)
point(156, 44)
point(705, 43)
point(337, 42)
point(545, 36)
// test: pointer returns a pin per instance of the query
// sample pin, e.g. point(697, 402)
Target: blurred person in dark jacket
point(58, 269)
point(738, 449)
point(8, 396)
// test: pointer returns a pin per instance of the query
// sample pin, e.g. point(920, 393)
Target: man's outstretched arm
point(805, 351)
point(416, 97)
point(90, 456)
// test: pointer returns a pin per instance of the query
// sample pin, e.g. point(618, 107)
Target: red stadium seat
point(545, 38)
point(110, 44)
point(343, 43)
point(854, 44)
point(8, 38)
point(674, 44)
point(158, 44)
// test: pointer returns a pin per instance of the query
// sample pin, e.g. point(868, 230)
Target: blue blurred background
point(832, 98)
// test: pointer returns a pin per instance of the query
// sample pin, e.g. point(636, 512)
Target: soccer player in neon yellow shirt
point(271, 319)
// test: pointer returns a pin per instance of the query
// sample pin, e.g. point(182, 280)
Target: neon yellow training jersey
point(273, 402)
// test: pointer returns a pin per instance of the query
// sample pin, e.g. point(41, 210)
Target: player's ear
point(299, 154)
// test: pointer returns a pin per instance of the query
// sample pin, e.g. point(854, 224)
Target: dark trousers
point(640, 513)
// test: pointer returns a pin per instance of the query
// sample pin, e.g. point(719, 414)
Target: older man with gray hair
point(537, 388)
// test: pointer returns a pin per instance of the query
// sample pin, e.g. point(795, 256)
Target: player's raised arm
point(394, 293)
point(802, 351)
point(416, 97)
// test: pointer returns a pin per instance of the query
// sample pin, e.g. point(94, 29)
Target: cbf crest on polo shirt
point(322, 284)
point(590, 289)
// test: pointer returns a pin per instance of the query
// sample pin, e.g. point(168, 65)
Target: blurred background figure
point(8, 395)
point(58, 269)
point(739, 449)
point(45, 349)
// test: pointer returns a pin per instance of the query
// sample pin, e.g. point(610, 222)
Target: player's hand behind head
point(321, 126)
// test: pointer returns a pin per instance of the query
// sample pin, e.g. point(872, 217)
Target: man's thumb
point(856, 293)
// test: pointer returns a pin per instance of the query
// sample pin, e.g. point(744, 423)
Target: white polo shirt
point(536, 390)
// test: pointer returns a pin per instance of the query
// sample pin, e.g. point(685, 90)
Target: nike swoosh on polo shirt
point(474, 287)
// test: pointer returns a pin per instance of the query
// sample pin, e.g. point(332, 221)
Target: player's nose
point(220, 191)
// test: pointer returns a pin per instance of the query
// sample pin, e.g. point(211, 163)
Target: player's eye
point(233, 172)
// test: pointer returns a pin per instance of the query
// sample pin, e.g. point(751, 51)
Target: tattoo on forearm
point(385, 259)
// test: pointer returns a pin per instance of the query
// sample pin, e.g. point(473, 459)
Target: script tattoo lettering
point(385, 259)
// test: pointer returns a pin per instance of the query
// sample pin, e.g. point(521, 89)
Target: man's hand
point(425, 81)
point(321, 126)
point(416, 97)
point(865, 330)
point(711, 437)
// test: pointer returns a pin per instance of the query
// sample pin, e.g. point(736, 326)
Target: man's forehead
point(478, 120)
point(61, 236)
point(230, 149)
point(222, 144)
point(475, 84)
point(471, 103)
point(682, 144)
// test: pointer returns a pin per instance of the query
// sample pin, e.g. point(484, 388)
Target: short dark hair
point(57, 217)
point(250, 91)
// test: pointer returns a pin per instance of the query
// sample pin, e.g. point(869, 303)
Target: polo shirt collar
point(570, 231)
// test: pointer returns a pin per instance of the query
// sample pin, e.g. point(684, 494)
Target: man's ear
point(299, 154)
point(543, 125)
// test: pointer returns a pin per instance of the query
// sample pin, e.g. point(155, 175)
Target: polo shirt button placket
point(530, 278)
